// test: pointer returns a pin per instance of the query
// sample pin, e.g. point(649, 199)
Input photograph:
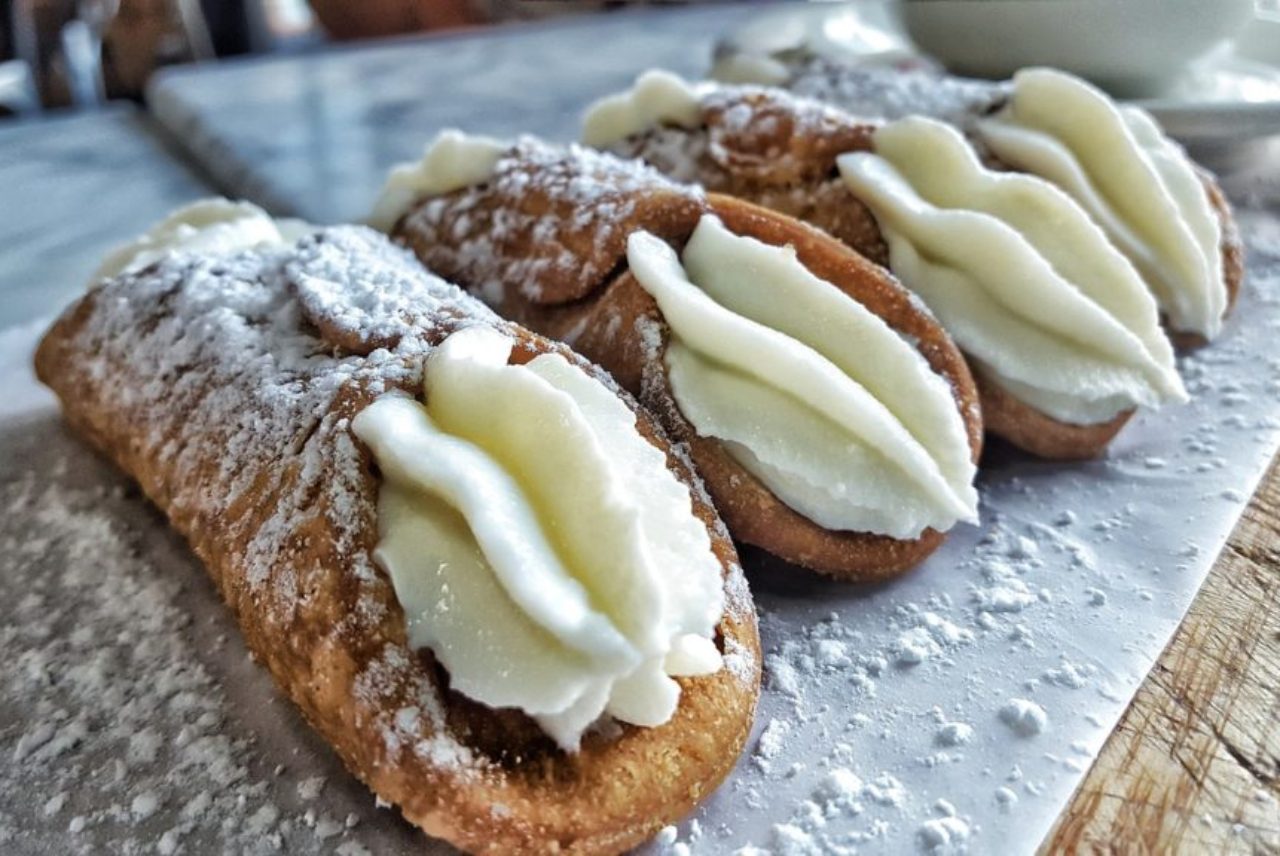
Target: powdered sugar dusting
point(1114, 527)
point(226, 353)
point(551, 222)
point(764, 121)
point(887, 93)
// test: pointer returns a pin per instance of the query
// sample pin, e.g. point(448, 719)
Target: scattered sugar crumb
point(1025, 718)
point(943, 834)
point(953, 734)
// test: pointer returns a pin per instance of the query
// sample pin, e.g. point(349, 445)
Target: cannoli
point(834, 422)
point(509, 607)
point(1164, 212)
point(1059, 328)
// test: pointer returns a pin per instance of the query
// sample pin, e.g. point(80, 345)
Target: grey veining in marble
point(313, 136)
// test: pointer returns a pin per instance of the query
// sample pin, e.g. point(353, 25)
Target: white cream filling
point(812, 393)
point(206, 227)
point(749, 68)
point(452, 160)
point(538, 544)
point(657, 98)
point(1027, 285)
point(1136, 183)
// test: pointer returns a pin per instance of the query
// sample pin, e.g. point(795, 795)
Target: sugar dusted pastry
point(756, 143)
point(832, 419)
point(1058, 326)
point(508, 606)
point(1163, 211)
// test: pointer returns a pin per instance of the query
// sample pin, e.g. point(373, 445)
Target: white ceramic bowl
point(1131, 47)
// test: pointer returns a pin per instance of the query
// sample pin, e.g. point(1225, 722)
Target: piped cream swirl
point(1027, 285)
point(451, 161)
point(657, 98)
point(835, 413)
point(212, 226)
point(1135, 182)
point(538, 543)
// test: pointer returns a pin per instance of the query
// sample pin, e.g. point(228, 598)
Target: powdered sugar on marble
point(123, 714)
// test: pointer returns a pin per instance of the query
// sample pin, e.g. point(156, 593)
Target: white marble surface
point(71, 187)
point(313, 136)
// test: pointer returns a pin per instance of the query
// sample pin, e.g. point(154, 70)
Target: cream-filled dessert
point(528, 539)
point(848, 425)
point(834, 412)
point(1028, 286)
point(564, 596)
point(1135, 182)
point(538, 543)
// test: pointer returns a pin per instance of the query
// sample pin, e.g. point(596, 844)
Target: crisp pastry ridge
point(780, 149)
point(543, 240)
point(226, 386)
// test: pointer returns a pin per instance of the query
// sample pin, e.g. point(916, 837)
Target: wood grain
point(1194, 765)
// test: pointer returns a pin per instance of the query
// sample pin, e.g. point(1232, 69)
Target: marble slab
point(72, 187)
point(312, 136)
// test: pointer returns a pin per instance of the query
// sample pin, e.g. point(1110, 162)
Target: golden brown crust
point(1232, 246)
point(1033, 431)
point(548, 229)
point(319, 614)
point(615, 327)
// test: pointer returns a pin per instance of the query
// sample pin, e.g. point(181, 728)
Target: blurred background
point(60, 53)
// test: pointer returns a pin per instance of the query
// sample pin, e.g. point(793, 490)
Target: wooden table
point(1201, 739)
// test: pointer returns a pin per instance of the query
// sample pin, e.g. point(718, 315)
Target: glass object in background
point(36, 27)
point(17, 86)
point(17, 90)
point(1133, 48)
point(286, 21)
